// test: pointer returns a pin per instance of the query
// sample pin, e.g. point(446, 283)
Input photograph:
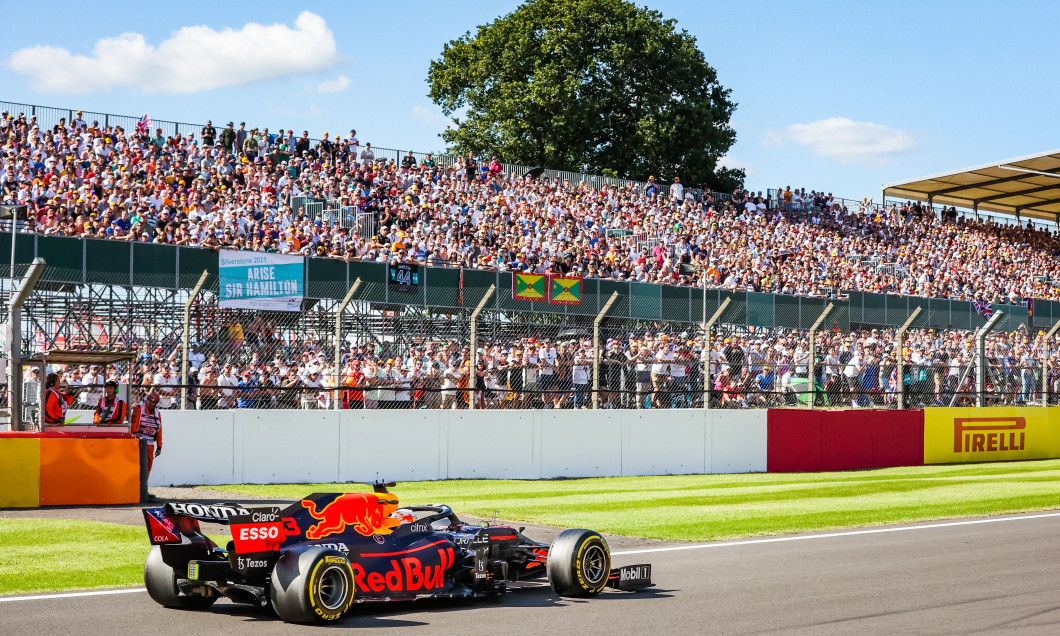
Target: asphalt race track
point(934, 578)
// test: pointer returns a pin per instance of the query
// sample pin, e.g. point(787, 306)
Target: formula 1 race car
point(313, 559)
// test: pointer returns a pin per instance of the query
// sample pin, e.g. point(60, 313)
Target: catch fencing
point(624, 345)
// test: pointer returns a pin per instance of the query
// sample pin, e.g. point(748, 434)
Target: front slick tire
point(314, 586)
point(161, 583)
point(579, 563)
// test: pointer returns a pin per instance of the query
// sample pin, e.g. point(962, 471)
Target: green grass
point(48, 555)
point(45, 555)
point(713, 507)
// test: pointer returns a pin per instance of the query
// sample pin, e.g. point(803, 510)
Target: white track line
point(804, 537)
point(40, 597)
point(701, 546)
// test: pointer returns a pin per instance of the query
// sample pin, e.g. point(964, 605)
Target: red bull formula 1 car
point(313, 559)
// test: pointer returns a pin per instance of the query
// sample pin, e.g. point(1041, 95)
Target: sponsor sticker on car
point(160, 527)
point(258, 530)
point(630, 577)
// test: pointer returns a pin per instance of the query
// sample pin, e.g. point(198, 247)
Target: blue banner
point(258, 280)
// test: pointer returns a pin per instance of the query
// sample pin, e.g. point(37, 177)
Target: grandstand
point(174, 202)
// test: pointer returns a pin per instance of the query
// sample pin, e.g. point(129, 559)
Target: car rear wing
point(166, 528)
point(179, 522)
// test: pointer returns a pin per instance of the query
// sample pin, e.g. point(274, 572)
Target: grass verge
point(46, 555)
point(714, 507)
point(51, 555)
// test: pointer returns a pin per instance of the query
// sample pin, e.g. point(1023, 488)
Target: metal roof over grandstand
point(1027, 187)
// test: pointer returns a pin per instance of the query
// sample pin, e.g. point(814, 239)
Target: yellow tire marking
point(314, 585)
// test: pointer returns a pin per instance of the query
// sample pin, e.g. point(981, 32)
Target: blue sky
point(838, 96)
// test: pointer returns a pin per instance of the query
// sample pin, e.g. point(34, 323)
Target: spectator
point(367, 155)
point(208, 134)
point(311, 389)
point(580, 376)
point(289, 396)
point(229, 378)
point(451, 380)
point(209, 394)
point(196, 358)
point(92, 385)
point(251, 145)
point(167, 386)
point(228, 138)
point(353, 378)
point(249, 391)
point(677, 191)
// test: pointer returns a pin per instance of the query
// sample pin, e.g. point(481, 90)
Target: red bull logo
point(366, 513)
point(407, 574)
point(988, 434)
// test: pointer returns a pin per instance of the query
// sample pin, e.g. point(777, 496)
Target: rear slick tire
point(161, 583)
point(314, 586)
point(579, 563)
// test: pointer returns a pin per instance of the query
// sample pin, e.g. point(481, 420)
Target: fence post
point(187, 335)
point(811, 367)
point(474, 344)
point(1045, 363)
point(14, 343)
point(900, 362)
point(980, 358)
point(338, 337)
point(707, 326)
point(596, 346)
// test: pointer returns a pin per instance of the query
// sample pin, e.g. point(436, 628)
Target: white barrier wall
point(257, 446)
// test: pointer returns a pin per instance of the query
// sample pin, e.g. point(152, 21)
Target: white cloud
point(849, 141)
point(430, 117)
point(193, 59)
point(737, 164)
point(336, 85)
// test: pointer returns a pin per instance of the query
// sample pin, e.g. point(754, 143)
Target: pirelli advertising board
point(990, 434)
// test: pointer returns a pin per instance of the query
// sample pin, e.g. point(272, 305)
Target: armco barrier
point(55, 469)
point(810, 441)
point(251, 446)
point(991, 434)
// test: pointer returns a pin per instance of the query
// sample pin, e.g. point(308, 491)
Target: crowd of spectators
point(747, 370)
point(231, 188)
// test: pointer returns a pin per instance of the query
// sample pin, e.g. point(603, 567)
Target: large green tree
point(598, 86)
